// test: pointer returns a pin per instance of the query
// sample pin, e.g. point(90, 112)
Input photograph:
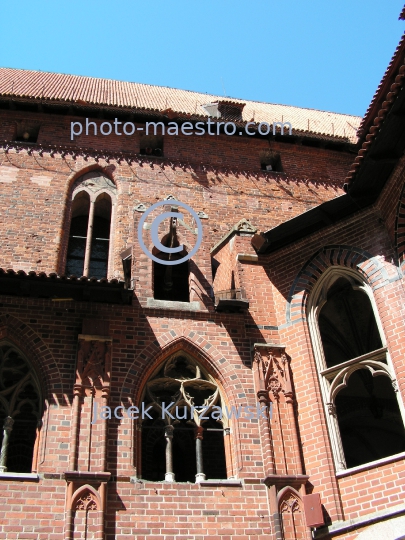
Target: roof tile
point(106, 92)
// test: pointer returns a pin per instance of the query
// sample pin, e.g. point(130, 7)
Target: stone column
point(264, 401)
point(169, 475)
point(74, 450)
point(228, 452)
point(265, 431)
point(89, 239)
point(7, 428)
point(200, 476)
point(289, 398)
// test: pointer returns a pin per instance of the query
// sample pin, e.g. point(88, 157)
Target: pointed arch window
point(178, 443)
point(20, 411)
point(89, 251)
point(364, 411)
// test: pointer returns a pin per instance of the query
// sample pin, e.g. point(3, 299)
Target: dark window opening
point(27, 132)
point(77, 246)
point(270, 161)
point(22, 441)
point(151, 145)
point(347, 324)
point(171, 282)
point(214, 450)
point(214, 267)
point(170, 447)
point(369, 419)
point(99, 247)
point(184, 455)
point(126, 257)
point(183, 449)
point(20, 409)
point(153, 449)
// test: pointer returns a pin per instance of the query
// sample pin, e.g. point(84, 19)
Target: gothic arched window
point(89, 248)
point(357, 379)
point(184, 440)
point(20, 411)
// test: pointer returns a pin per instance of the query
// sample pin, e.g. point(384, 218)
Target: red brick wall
point(35, 204)
point(35, 188)
point(32, 511)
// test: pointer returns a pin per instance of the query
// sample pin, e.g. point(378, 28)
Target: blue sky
point(315, 53)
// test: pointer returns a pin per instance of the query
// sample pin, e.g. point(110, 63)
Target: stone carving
point(95, 181)
point(86, 502)
point(331, 409)
point(244, 226)
point(93, 365)
point(140, 208)
point(273, 371)
point(181, 382)
point(290, 505)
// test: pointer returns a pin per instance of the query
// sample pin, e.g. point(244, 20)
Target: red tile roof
point(387, 91)
point(384, 87)
point(105, 92)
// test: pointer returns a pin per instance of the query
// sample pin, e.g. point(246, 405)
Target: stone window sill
point(22, 477)
point(370, 465)
point(230, 482)
point(170, 304)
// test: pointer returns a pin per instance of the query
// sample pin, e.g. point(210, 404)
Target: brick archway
point(32, 346)
point(209, 358)
point(291, 512)
point(167, 344)
point(370, 267)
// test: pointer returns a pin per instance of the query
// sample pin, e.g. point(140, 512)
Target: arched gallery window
point(89, 248)
point(356, 376)
point(179, 444)
point(20, 411)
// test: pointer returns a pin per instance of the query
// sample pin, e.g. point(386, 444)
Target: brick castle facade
point(294, 302)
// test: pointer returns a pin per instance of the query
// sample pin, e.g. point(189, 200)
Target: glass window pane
point(347, 324)
point(75, 257)
point(369, 419)
point(77, 246)
point(79, 226)
point(99, 248)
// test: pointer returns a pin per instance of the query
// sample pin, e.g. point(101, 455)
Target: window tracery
point(357, 379)
point(20, 410)
point(89, 250)
point(184, 440)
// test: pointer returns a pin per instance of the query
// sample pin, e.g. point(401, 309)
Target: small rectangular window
point(270, 161)
point(151, 145)
point(27, 132)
